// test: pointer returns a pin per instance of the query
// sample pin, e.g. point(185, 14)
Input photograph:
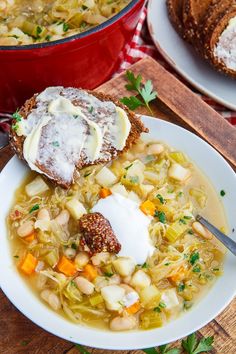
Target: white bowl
point(222, 177)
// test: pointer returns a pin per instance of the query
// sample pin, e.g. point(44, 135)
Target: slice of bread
point(193, 13)
point(213, 37)
point(56, 155)
point(175, 10)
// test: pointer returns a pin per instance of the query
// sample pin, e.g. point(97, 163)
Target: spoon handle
point(227, 241)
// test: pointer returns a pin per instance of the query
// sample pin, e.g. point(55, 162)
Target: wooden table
point(20, 335)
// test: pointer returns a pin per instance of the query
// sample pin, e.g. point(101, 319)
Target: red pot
point(84, 60)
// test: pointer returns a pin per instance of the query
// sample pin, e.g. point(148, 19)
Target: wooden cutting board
point(176, 104)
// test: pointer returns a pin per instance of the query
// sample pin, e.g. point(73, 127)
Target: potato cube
point(150, 297)
point(75, 208)
point(178, 172)
point(140, 280)
point(124, 266)
point(105, 177)
point(113, 295)
point(36, 187)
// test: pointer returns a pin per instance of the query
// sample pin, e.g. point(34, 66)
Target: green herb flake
point(84, 7)
point(166, 264)
point(182, 221)
point(38, 30)
point(108, 274)
point(187, 305)
point(48, 38)
point(145, 265)
point(187, 217)
point(34, 208)
point(91, 109)
point(74, 246)
point(16, 256)
point(190, 232)
point(161, 199)
point(128, 167)
point(55, 144)
point(81, 349)
point(17, 116)
point(134, 179)
point(196, 269)
point(192, 346)
point(157, 309)
point(181, 287)
point(15, 127)
point(65, 27)
point(222, 193)
point(73, 283)
point(162, 305)
point(180, 194)
point(194, 257)
point(161, 216)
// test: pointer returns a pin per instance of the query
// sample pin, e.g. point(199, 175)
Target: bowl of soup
point(54, 43)
point(170, 278)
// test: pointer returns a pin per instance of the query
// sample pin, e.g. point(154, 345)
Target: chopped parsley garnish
point(187, 217)
point(180, 287)
point(74, 246)
point(128, 167)
point(161, 199)
point(65, 27)
point(38, 30)
point(55, 144)
point(73, 283)
point(190, 232)
point(187, 305)
point(34, 208)
point(14, 36)
point(16, 256)
point(196, 269)
point(81, 349)
point(216, 269)
point(161, 216)
point(91, 109)
point(145, 265)
point(108, 274)
point(134, 179)
point(182, 221)
point(180, 194)
point(17, 116)
point(166, 264)
point(194, 258)
point(83, 24)
point(15, 127)
point(48, 37)
point(161, 306)
point(222, 193)
point(84, 7)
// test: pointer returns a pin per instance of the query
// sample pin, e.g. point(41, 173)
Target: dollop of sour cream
point(129, 224)
point(225, 50)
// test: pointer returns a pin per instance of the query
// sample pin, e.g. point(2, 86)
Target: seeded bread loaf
point(60, 153)
point(175, 9)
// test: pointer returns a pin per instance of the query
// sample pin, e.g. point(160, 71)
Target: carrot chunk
point(104, 192)
point(148, 207)
point(29, 238)
point(28, 264)
point(66, 266)
point(133, 308)
point(90, 272)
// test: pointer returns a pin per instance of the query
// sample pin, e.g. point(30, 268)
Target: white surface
point(220, 295)
point(183, 58)
point(127, 221)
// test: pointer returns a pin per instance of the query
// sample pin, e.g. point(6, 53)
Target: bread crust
point(175, 10)
point(137, 127)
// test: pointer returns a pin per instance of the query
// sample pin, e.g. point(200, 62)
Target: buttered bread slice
point(62, 130)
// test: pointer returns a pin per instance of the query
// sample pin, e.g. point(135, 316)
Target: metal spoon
point(227, 241)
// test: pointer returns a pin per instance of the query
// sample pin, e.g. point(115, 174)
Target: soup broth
point(107, 290)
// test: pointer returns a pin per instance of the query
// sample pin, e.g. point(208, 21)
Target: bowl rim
point(224, 287)
point(68, 39)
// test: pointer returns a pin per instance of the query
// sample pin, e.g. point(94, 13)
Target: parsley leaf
point(81, 349)
point(132, 102)
point(192, 346)
point(144, 90)
point(34, 208)
point(65, 27)
point(55, 144)
point(161, 199)
point(222, 193)
point(196, 269)
point(150, 351)
point(161, 216)
point(17, 116)
point(194, 258)
point(128, 167)
point(180, 287)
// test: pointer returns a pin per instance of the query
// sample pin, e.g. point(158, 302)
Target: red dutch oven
point(84, 60)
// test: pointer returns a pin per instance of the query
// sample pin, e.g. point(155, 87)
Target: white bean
point(26, 229)
point(123, 323)
point(43, 214)
point(155, 149)
point(51, 298)
point(85, 286)
point(63, 218)
point(201, 230)
point(100, 258)
point(70, 252)
point(81, 260)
